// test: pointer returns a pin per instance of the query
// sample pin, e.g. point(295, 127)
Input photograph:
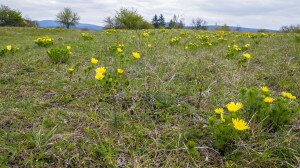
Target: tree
point(128, 19)
point(171, 24)
point(291, 28)
point(174, 23)
point(67, 18)
point(110, 23)
point(199, 24)
point(161, 21)
point(155, 21)
point(9, 17)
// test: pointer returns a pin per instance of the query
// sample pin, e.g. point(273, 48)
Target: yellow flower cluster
point(239, 124)
point(9, 47)
point(288, 95)
point(100, 73)
point(175, 40)
point(236, 48)
point(44, 41)
point(94, 61)
point(110, 31)
point(247, 56)
point(119, 50)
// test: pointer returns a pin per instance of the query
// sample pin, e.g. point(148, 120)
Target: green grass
point(165, 100)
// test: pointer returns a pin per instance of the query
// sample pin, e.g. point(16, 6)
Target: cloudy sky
point(270, 14)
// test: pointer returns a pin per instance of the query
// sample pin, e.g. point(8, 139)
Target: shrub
point(265, 111)
point(44, 41)
point(224, 129)
point(127, 19)
point(269, 113)
point(9, 17)
point(59, 55)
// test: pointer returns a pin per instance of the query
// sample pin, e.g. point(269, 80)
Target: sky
point(269, 14)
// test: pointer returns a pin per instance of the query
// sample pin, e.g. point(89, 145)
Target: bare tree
point(110, 23)
point(67, 17)
point(199, 24)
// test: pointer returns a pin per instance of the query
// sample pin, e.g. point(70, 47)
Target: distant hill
point(52, 24)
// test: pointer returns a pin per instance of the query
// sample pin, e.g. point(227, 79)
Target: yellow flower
point(268, 99)
point(219, 110)
point(101, 70)
point(71, 69)
point(110, 79)
point(233, 107)
point(288, 95)
point(119, 50)
point(99, 76)
point(94, 61)
point(240, 124)
point(136, 55)
point(9, 47)
point(247, 45)
point(265, 89)
point(68, 47)
point(247, 56)
point(120, 71)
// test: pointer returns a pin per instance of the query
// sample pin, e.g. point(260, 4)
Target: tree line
point(124, 18)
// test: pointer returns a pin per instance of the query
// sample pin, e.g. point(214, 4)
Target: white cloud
point(247, 13)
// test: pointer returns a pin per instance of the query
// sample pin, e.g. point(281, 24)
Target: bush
point(58, 55)
point(263, 109)
point(9, 17)
point(272, 114)
point(127, 19)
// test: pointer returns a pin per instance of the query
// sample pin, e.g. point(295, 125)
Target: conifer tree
point(161, 21)
point(155, 21)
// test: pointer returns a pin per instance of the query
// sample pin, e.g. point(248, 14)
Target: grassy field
point(160, 111)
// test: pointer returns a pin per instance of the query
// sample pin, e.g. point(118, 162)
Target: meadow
point(149, 98)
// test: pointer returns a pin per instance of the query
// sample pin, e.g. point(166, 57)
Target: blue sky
point(270, 14)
